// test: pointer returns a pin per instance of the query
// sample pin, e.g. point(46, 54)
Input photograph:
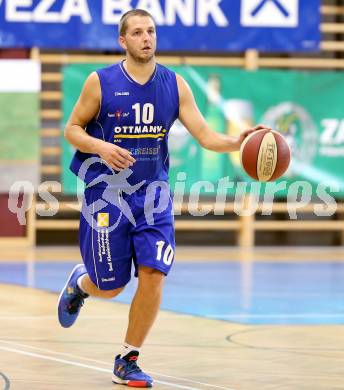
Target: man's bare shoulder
point(91, 88)
point(183, 87)
point(180, 79)
point(92, 81)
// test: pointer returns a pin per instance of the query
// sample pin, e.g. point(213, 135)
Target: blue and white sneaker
point(127, 372)
point(71, 298)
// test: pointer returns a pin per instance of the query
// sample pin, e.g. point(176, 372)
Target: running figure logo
point(116, 185)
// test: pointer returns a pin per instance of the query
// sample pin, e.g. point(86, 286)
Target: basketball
point(265, 155)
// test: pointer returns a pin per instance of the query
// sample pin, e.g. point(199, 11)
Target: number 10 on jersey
point(144, 114)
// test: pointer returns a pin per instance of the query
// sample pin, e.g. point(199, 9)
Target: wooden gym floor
point(271, 346)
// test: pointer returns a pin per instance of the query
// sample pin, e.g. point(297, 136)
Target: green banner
point(304, 106)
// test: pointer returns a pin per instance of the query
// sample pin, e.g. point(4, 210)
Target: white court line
point(53, 352)
point(189, 380)
point(283, 315)
point(186, 316)
point(105, 363)
point(88, 317)
point(53, 317)
point(38, 356)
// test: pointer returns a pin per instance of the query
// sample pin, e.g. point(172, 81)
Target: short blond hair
point(123, 23)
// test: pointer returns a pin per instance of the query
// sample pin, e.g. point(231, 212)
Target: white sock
point(79, 282)
point(127, 348)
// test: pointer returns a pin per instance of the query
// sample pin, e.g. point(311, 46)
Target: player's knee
point(111, 293)
point(150, 278)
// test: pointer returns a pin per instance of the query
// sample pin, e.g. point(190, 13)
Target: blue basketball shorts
point(118, 229)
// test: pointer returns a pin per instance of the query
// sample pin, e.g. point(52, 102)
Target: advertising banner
point(303, 106)
point(183, 25)
point(19, 122)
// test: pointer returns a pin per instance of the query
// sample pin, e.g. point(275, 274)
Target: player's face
point(140, 38)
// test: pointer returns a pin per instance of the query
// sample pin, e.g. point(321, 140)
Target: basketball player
point(123, 116)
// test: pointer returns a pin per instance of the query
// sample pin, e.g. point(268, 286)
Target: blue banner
point(183, 25)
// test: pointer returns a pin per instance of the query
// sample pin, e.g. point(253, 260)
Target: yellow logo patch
point(103, 219)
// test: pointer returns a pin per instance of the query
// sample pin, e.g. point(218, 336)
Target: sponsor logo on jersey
point(103, 241)
point(144, 151)
point(121, 93)
point(118, 115)
point(104, 280)
point(138, 131)
point(103, 219)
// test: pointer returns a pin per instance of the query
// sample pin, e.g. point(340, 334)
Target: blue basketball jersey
point(137, 118)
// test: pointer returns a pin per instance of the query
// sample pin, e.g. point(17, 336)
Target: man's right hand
point(118, 158)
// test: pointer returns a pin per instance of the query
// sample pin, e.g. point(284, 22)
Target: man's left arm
point(193, 120)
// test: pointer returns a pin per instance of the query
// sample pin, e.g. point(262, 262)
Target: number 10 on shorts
point(166, 254)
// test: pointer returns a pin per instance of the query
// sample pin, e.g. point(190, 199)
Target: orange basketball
point(265, 155)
